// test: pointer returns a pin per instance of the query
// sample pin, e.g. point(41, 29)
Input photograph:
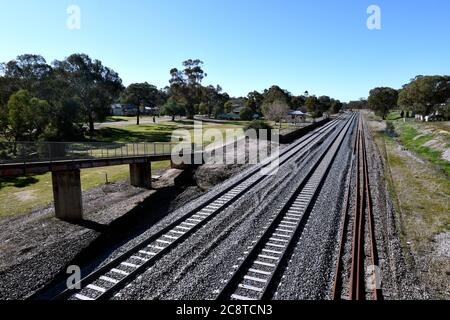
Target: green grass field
point(162, 132)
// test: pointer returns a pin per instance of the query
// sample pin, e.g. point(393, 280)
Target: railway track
point(253, 277)
point(363, 257)
point(109, 279)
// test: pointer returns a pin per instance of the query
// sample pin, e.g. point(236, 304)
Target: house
point(151, 110)
point(237, 105)
point(116, 109)
point(119, 109)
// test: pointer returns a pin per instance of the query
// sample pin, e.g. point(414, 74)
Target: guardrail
point(28, 152)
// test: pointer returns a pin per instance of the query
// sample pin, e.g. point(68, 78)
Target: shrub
point(246, 114)
point(259, 125)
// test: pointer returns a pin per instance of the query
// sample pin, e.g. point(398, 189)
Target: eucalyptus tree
point(96, 85)
point(141, 95)
point(185, 85)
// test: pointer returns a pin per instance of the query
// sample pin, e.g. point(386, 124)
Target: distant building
point(151, 110)
point(119, 109)
point(297, 116)
point(237, 105)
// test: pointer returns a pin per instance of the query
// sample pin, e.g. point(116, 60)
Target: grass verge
point(418, 177)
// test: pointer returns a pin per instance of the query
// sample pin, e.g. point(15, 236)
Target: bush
point(246, 114)
point(259, 125)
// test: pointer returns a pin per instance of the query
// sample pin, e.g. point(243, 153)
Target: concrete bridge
point(65, 160)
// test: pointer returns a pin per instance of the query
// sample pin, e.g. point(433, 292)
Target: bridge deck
point(17, 169)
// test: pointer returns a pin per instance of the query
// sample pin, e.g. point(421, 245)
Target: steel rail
point(254, 275)
point(363, 213)
point(197, 217)
point(376, 292)
point(337, 283)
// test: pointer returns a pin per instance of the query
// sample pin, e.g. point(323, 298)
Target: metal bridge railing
point(27, 152)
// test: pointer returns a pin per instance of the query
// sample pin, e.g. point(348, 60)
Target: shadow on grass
point(18, 182)
point(114, 120)
point(390, 130)
point(185, 122)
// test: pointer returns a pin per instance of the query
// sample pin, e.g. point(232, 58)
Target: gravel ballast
point(119, 216)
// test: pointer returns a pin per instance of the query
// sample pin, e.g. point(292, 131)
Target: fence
point(26, 152)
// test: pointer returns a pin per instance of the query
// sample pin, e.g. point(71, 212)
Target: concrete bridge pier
point(141, 174)
point(67, 194)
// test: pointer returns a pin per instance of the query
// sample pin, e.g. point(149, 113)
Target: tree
point(28, 71)
point(228, 107)
point(382, 99)
point(297, 102)
point(444, 110)
point(66, 121)
point(275, 111)
point(97, 86)
point(141, 95)
point(218, 110)
point(27, 116)
point(185, 85)
point(246, 114)
point(7, 88)
point(275, 93)
point(312, 106)
point(172, 108)
point(357, 104)
point(324, 104)
point(259, 126)
point(163, 96)
point(203, 108)
point(213, 97)
point(336, 106)
point(254, 101)
point(424, 94)
point(41, 81)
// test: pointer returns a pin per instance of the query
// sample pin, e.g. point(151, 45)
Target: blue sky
point(322, 46)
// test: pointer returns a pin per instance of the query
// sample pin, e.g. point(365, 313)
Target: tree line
point(61, 101)
point(423, 95)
